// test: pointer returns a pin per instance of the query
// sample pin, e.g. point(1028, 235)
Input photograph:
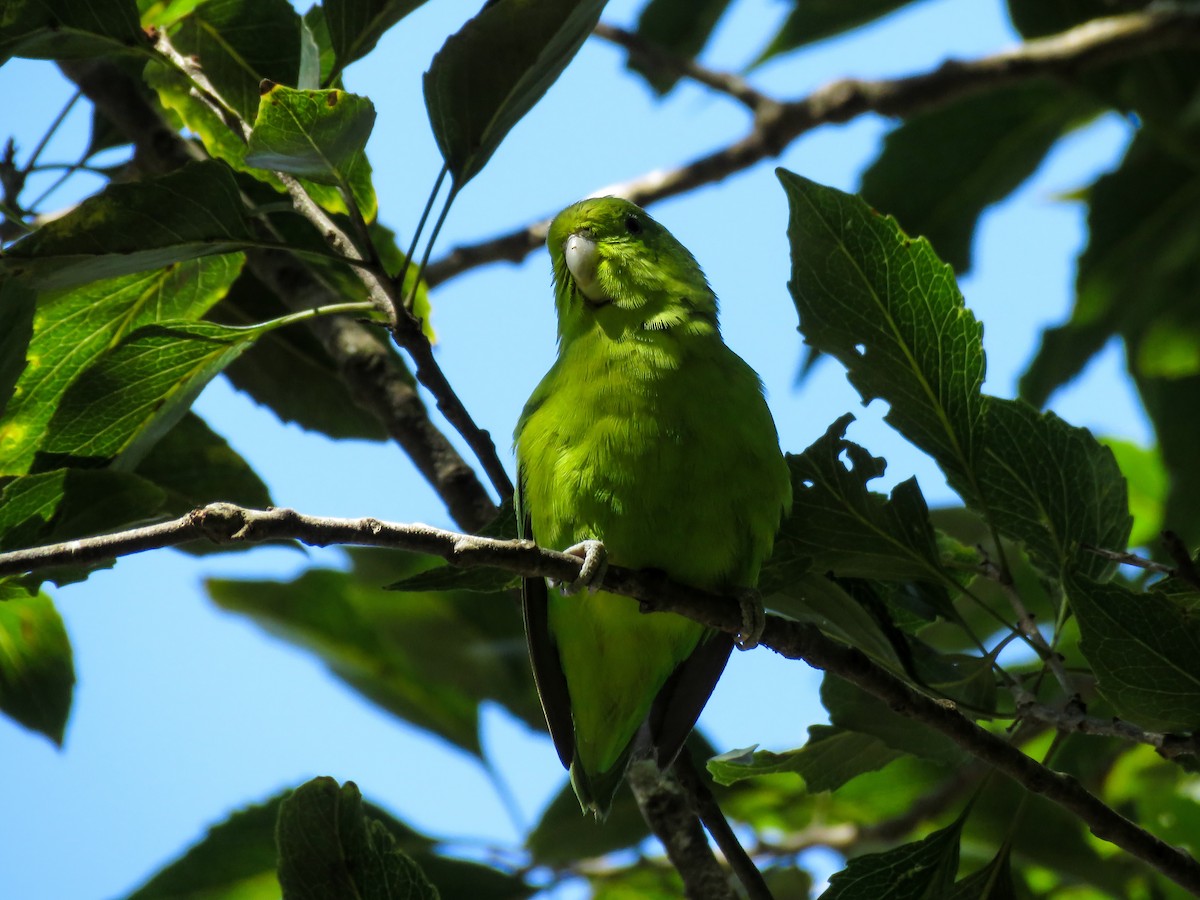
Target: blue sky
point(183, 714)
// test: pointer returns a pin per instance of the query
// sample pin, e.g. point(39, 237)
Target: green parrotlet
point(651, 436)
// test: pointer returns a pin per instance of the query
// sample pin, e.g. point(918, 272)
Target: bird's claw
point(591, 573)
point(754, 620)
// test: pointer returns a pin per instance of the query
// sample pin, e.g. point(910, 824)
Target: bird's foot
point(754, 619)
point(591, 573)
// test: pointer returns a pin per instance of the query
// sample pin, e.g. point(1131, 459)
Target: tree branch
point(778, 123)
point(227, 523)
point(664, 805)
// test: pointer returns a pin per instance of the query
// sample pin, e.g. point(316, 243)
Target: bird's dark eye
point(632, 225)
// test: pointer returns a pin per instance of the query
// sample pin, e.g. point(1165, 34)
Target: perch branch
point(778, 123)
point(227, 523)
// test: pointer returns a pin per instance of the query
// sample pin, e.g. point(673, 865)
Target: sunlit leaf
point(73, 327)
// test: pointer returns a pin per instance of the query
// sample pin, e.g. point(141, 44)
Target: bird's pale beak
point(582, 261)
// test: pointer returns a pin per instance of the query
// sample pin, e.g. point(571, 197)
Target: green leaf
point(854, 709)
point(355, 26)
point(1144, 650)
point(939, 170)
point(1138, 270)
point(1178, 437)
point(681, 27)
point(135, 392)
point(240, 43)
point(494, 69)
point(235, 859)
point(289, 371)
point(1146, 479)
point(851, 531)
point(450, 578)
point(73, 327)
point(174, 93)
point(37, 673)
point(923, 869)
point(888, 309)
point(329, 849)
point(320, 135)
point(72, 503)
point(16, 330)
point(1053, 487)
point(821, 601)
point(63, 29)
point(831, 758)
point(238, 857)
point(429, 658)
point(194, 465)
point(993, 882)
point(815, 20)
point(193, 212)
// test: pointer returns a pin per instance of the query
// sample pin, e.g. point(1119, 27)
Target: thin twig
point(654, 57)
point(1026, 621)
point(714, 821)
point(1075, 719)
point(1062, 56)
point(224, 522)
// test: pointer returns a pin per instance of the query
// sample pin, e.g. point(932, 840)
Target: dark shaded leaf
point(889, 310)
point(1146, 480)
point(37, 674)
point(1137, 275)
point(681, 27)
point(923, 869)
point(73, 327)
point(853, 709)
point(72, 503)
point(814, 20)
point(194, 466)
point(450, 578)
point(238, 858)
point(330, 849)
point(939, 170)
point(494, 69)
point(320, 135)
point(993, 882)
point(831, 758)
point(62, 29)
point(846, 529)
point(1053, 487)
point(1145, 652)
point(133, 394)
point(16, 329)
point(240, 43)
point(355, 26)
point(193, 212)
point(429, 658)
point(818, 600)
point(289, 371)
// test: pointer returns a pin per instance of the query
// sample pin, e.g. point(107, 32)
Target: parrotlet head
point(616, 267)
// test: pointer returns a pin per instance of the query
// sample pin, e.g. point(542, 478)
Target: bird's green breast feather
point(665, 451)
